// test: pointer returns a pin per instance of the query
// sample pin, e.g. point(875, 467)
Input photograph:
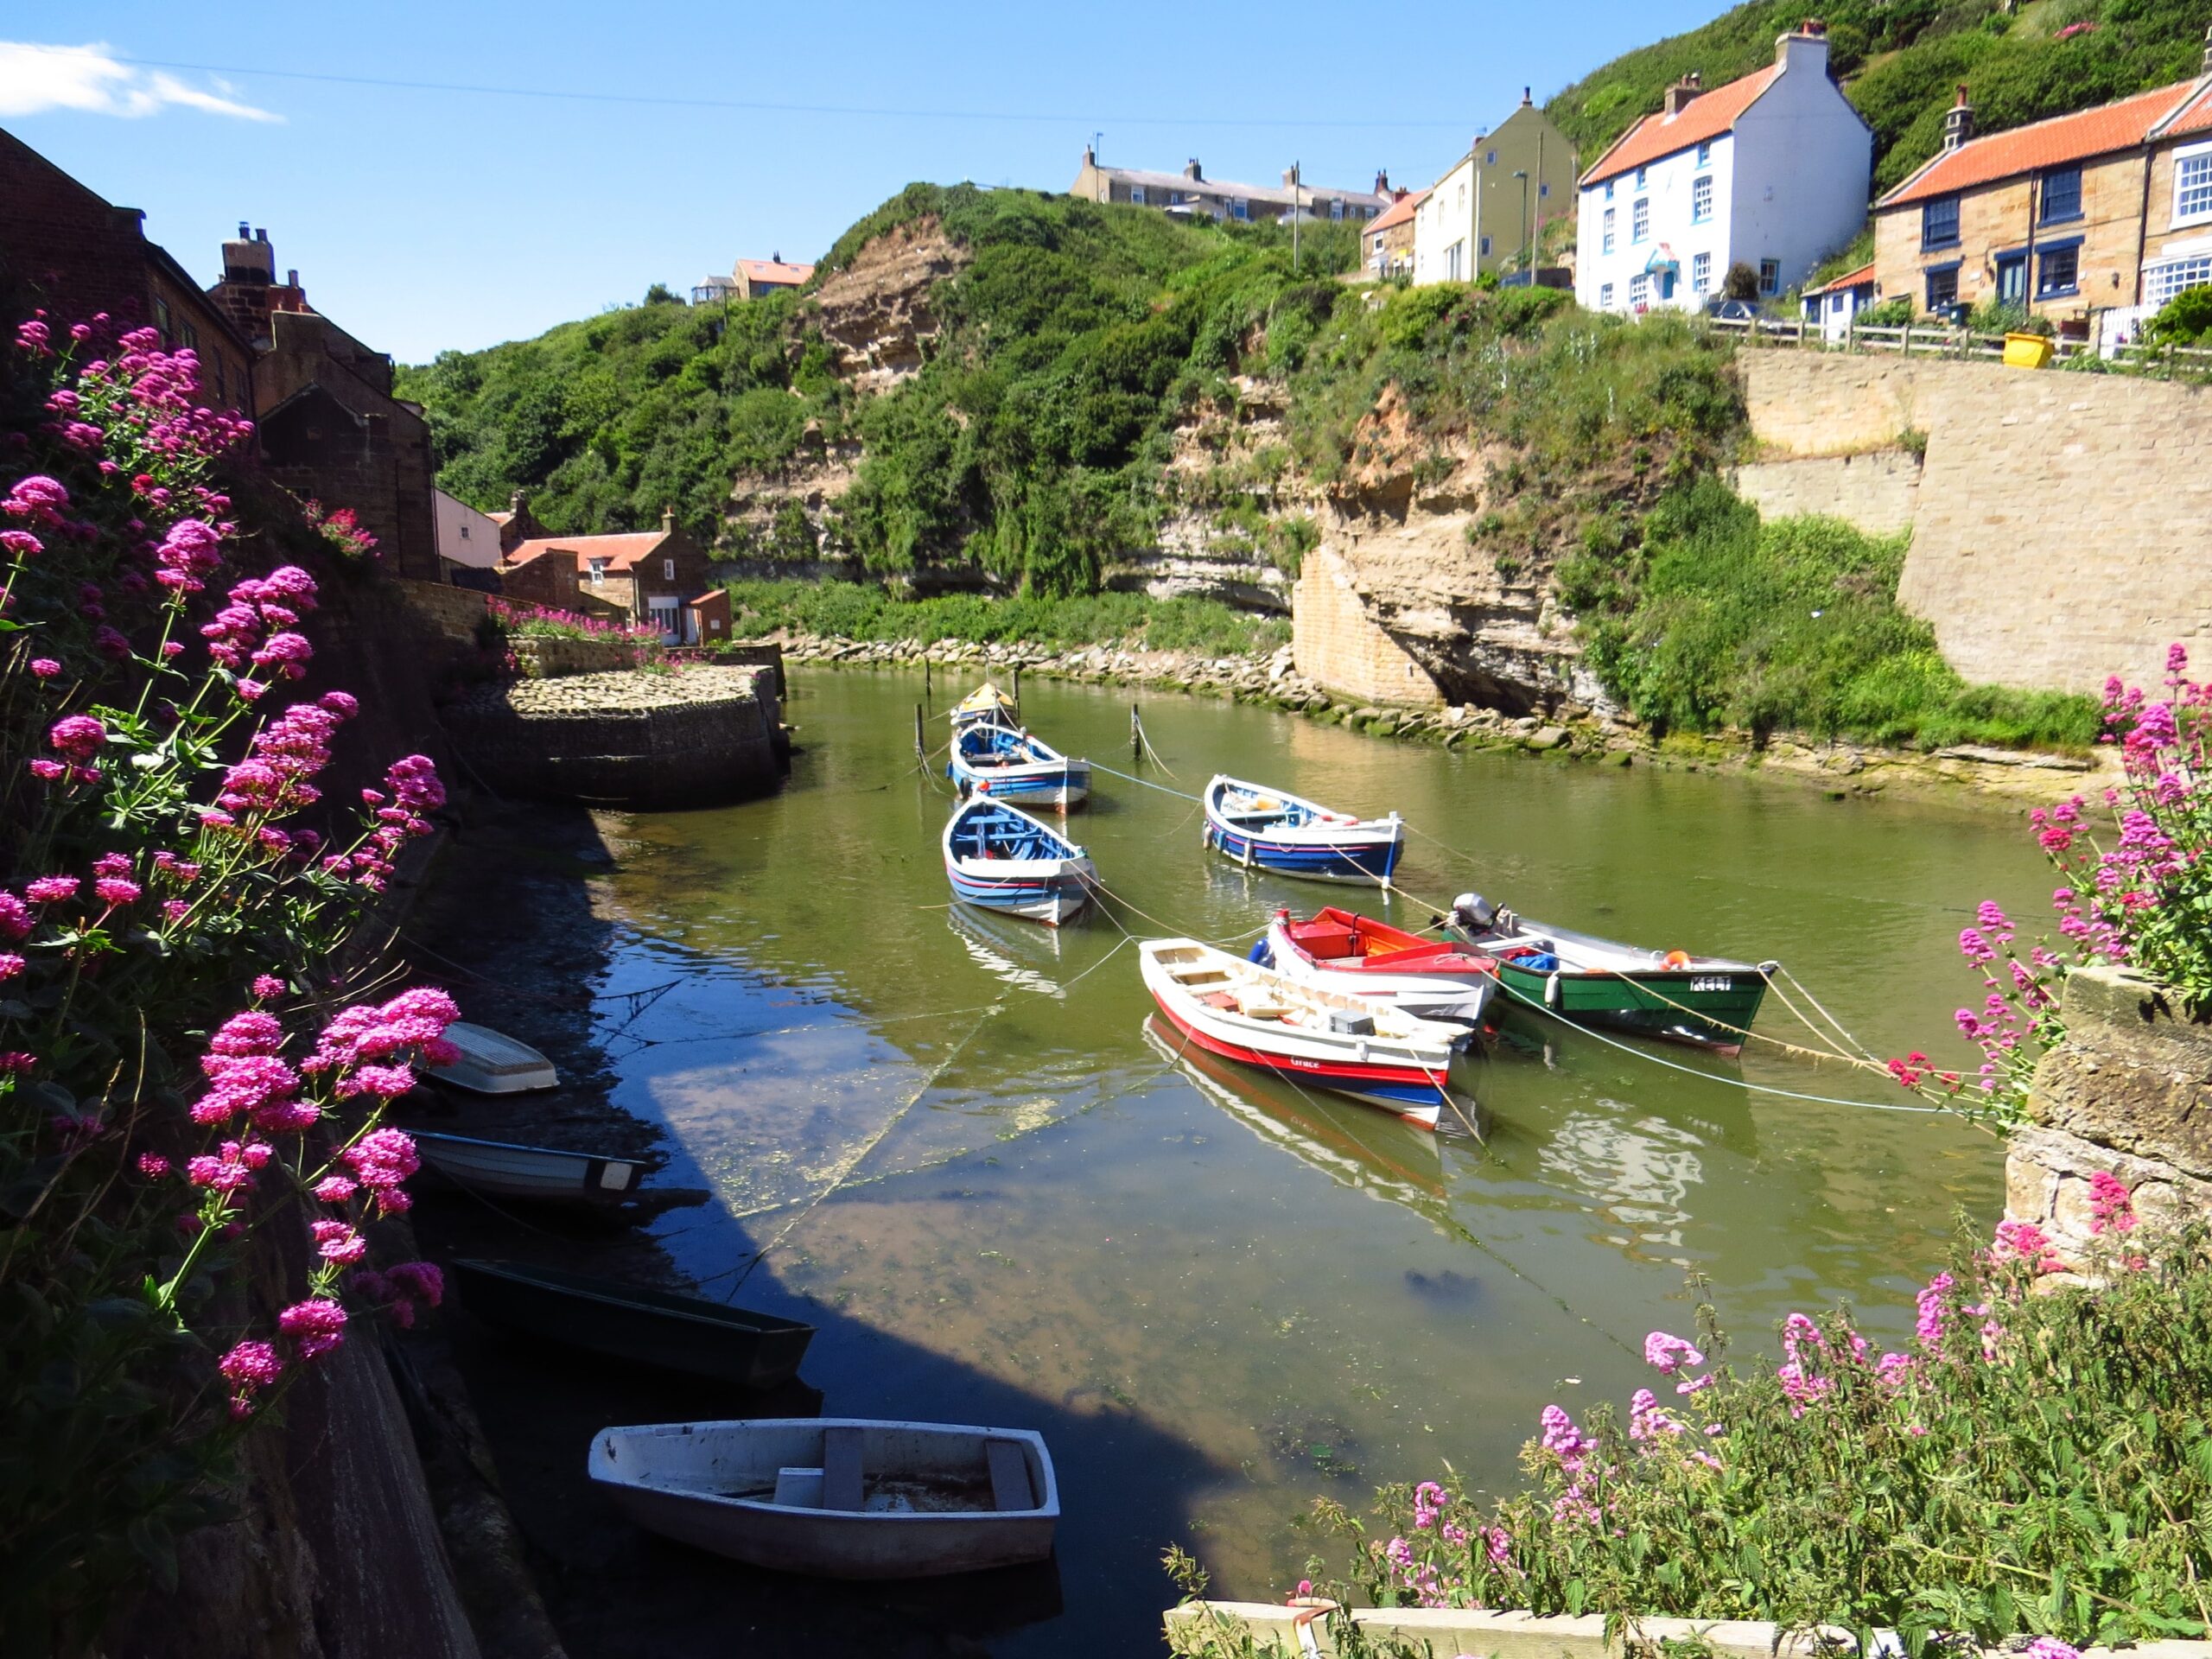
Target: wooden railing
point(1939, 340)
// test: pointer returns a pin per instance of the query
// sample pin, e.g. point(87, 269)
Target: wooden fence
point(1938, 339)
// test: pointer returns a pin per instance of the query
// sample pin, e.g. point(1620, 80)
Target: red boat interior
point(1360, 943)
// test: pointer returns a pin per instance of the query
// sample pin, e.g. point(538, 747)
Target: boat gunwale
point(652, 1161)
point(715, 1316)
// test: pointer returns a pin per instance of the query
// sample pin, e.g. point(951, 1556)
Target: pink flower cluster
point(272, 781)
point(254, 630)
point(411, 787)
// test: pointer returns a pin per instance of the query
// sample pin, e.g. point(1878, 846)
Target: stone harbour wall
point(695, 736)
point(2060, 523)
point(2129, 1093)
point(550, 659)
point(1879, 492)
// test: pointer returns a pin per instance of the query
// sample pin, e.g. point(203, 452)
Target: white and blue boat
point(999, 858)
point(1270, 829)
point(985, 703)
point(1009, 764)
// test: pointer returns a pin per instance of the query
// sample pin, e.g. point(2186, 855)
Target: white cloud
point(90, 79)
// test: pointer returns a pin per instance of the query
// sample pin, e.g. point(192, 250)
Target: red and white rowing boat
point(1331, 1039)
point(1337, 950)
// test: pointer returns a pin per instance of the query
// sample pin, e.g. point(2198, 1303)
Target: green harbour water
point(1218, 1296)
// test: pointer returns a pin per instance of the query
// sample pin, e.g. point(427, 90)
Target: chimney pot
point(292, 278)
point(2208, 51)
point(245, 234)
point(1191, 171)
point(260, 235)
point(667, 520)
point(1525, 99)
point(1958, 121)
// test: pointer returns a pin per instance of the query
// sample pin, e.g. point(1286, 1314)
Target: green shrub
point(2185, 320)
point(861, 611)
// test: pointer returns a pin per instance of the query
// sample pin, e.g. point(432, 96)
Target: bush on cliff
point(859, 611)
point(1714, 619)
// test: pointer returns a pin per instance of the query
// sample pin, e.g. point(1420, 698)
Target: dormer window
point(597, 573)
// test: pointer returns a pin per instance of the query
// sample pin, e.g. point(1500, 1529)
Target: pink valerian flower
point(385, 1081)
point(335, 1240)
point(276, 600)
point(415, 1022)
point(36, 500)
point(1647, 1420)
point(316, 1326)
point(249, 1368)
point(191, 550)
point(248, 1077)
point(2049, 1647)
point(1665, 1353)
point(48, 771)
point(1430, 1500)
point(52, 889)
point(153, 1165)
point(381, 1161)
point(334, 1189)
point(77, 737)
point(2024, 1243)
point(2112, 1206)
point(113, 890)
point(1563, 1439)
point(10, 965)
point(45, 667)
point(182, 871)
point(266, 986)
point(14, 916)
point(223, 1175)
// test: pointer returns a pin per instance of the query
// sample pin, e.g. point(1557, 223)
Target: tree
point(1742, 282)
point(661, 294)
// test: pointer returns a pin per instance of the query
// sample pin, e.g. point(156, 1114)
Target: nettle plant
point(2135, 892)
point(191, 1102)
point(2029, 1465)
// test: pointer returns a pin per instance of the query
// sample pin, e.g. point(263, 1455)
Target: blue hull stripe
point(1365, 863)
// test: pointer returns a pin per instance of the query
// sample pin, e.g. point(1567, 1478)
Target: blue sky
point(421, 219)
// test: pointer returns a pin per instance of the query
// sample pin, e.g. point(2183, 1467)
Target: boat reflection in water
point(1367, 1151)
point(1005, 949)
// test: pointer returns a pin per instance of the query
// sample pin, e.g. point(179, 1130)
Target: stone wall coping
point(1512, 1635)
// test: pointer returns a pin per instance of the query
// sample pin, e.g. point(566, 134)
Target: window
point(1609, 189)
point(668, 569)
point(1942, 287)
point(1490, 160)
point(1701, 199)
point(464, 530)
point(1336, 209)
point(1639, 220)
point(1608, 236)
point(598, 572)
point(2062, 194)
point(2162, 283)
point(1463, 196)
point(191, 336)
point(1604, 296)
point(162, 319)
point(1769, 276)
point(2193, 184)
point(1485, 252)
point(1641, 174)
point(2058, 270)
point(1939, 223)
point(1240, 208)
point(1705, 152)
point(1639, 290)
point(1543, 190)
point(1700, 273)
point(1136, 194)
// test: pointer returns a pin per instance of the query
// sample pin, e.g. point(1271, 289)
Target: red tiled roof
point(500, 517)
point(1707, 116)
point(2195, 116)
point(1399, 211)
point(768, 271)
point(620, 552)
point(1859, 278)
point(2052, 143)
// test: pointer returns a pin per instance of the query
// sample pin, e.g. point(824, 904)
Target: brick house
point(1190, 193)
point(1388, 242)
point(2105, 209)
point(1770, 172)
point(80, 255)
point(753, 278)
point(517, 524)
point(659, 576)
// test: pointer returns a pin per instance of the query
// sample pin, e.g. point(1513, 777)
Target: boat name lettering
point(1713, 982)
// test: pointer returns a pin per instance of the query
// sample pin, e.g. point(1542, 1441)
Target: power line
point(1058, 118)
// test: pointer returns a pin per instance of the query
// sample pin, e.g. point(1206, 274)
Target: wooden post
point(1908, 339)
point(1017, 690)
point(1136, 736)
point(926, 688)
point(921, 748)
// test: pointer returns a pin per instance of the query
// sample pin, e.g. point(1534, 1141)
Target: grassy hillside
point(1902, 61)
point(1030, 444)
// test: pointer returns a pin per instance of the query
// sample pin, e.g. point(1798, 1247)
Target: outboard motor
point(1261, 953)
point(1474, 913)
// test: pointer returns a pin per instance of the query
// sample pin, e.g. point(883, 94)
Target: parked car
point(1730, 310)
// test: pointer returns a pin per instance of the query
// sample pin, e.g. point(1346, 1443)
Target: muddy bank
point(520, 926)
point(1577, 732)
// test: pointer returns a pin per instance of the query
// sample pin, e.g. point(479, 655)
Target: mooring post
point(926, 691)
point(1136, 735)
point(921, 749)
point(1017, 690)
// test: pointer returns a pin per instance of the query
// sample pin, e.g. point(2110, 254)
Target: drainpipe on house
point(1475, 173)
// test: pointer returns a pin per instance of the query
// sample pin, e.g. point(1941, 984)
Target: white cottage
point(1771, 171)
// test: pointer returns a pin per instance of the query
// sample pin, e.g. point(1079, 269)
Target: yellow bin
point(2026, 350)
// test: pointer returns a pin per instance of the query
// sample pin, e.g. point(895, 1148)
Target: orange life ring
point(1678, 959)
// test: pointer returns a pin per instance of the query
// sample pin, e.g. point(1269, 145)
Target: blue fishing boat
point(1270, 829)
point(1009, 764)
point(998, 858)
point(986, 703)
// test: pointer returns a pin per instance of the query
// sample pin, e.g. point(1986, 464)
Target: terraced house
point(2105, 211)
point(1190, 193)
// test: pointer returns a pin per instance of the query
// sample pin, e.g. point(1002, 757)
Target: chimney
point(776, 257)
point(519, 502)
point(1290, 177)
point(1525, 99)
point(250, 259)
point(1089, 156)
point(668, 521)
point(1680, 94)
point(1191, 171)
point(1958, 121)
point(1805, 47)
point(1381, 181)
point(292, 277)
point(2208, 51)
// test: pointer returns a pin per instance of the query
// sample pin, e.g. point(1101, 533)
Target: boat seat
point(1010, 1488)
point(841, 1469)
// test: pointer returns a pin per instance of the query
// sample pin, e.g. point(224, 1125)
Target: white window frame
point(1335, 207)
point(1639, 291)
point(1705, 152)
point(2184, 157)
point(1639, 221)
point(1604, 296)
point(1700, 273)
point(2165, 278)
point(597, 573)
point(1770, 276)
point(1701, 199)
point(1606, 224)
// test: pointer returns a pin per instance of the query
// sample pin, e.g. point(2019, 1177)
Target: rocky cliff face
point(878, 311)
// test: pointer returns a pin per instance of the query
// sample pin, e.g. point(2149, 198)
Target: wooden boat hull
point(1007, 763)
point(1052, 899)
point(1401, 1064)
point(1331, 847)
point(1713, 1010)
point(1441, 990)
point(669, 1331)
point(517, 1172)
point(492, 1063)
point(1038, 872)
point(682, 1480)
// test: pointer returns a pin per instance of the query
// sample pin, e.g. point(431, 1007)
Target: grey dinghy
point(840, 1497)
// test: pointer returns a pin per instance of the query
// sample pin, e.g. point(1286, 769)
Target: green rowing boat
point(1709, 1001)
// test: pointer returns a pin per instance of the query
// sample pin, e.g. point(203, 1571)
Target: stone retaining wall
point(549, 659)
point(1336, 643)
point(2128, 1092)
point(694, 737)
point(1878, 492)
